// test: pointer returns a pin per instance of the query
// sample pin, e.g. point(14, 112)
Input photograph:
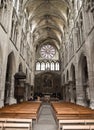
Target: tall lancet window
point(52, 66)
point(42, 66)
point(38, 66)
point(47, 66)
point(57, 66)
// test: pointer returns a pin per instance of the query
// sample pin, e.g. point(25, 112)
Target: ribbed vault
point(48, 19)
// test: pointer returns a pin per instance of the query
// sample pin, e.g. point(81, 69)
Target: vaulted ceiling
point(48, 19)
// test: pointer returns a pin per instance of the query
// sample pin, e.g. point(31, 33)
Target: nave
point(47, 56)
point(39, 115)
point(46, 119)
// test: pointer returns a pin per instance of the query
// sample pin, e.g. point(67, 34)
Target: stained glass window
point(37, 66)
point(42, 66)
point(57, 66)
point(52, 66)
point(47, 51)
point(47, 65)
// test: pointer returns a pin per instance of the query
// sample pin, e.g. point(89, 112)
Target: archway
point(73, 83)
point(83, 71)
point(9, 82)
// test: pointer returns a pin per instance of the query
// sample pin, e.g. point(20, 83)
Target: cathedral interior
point(46, 52)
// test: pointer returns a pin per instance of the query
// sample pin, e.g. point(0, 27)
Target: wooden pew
point(65, 110)
point(69, 114)
point(19, 116)
point(75, 122)
point(78, 127)
point(28, 110)
point(16, 123)
point(15, 126)
point(15, 120)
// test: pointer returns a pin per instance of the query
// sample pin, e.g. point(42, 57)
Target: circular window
point(47, 51)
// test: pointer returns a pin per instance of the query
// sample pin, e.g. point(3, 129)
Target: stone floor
point(46, 119)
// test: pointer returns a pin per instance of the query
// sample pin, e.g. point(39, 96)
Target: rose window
point(47, 51)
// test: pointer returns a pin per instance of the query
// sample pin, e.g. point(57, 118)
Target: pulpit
point(19, 92)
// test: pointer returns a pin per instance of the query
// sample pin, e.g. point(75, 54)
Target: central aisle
point(46, 119)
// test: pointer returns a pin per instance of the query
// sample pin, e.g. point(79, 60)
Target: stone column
point(2, 83)
point(75, 33)
point(79, 86)
point(64, 92)
point(67, 91)
point(33, 70)
point(1, 88)
point(75, 8)
point(33, 67)
point(91, 88)
point(71, 86)
point(12, 100)
point(79, 93)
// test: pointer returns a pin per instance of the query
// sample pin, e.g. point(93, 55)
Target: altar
point(47, 98)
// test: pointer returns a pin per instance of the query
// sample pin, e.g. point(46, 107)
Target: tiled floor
point(46, 119)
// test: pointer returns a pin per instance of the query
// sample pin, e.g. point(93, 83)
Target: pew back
point(75, 123)
point(72, 116)
point(78, 127)
point(15, 124)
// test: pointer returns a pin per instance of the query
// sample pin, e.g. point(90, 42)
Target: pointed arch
point(83, 76)
point(9, 81)
point(72, 72)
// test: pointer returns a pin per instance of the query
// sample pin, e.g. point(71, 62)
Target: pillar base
point(12, 100)
point(1, 103)
point(92, 104)
point(72, 101)
point(81, 102)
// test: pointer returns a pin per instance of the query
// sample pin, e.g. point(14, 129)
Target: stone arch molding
point(72, 71)
point(13, 61)
point(9, 79)
point(82, 55)
point(83, 77)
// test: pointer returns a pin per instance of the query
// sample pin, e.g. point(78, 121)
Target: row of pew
point(73, 117)
point(15, 124)
point(19, 116)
